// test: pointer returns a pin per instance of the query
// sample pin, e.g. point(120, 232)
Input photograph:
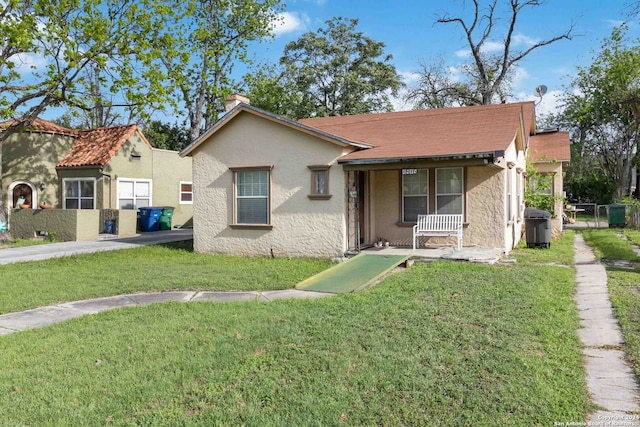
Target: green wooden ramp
point(352, 275)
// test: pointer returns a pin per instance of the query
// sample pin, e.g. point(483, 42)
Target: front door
point(22, 195)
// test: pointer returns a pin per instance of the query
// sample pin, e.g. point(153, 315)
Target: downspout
point(110, 184)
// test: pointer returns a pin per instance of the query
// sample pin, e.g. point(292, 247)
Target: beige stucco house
point(264, 184)
point(100, 172)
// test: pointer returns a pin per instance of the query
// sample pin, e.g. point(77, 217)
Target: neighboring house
point(108, 168)
point(264, 184)
point(549, 153)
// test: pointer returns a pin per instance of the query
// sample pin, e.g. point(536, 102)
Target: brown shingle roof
point(96, 147)
point(430, 133)
point(549, 147)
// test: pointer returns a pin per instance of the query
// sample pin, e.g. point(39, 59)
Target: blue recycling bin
point(149, 218)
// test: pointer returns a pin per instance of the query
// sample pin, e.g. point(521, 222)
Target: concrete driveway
point(62, 249)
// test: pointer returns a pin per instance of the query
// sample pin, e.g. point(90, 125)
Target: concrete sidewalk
point(43, 316)
point(62, 249)
point(611, 382)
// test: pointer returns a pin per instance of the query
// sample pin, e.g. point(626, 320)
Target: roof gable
point(98, 146)
point(550, 147)
point(244, 108)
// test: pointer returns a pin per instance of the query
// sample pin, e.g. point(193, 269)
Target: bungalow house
point(110, 170)
point(264, 184)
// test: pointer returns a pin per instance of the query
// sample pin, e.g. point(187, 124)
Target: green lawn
point(607, 244)
point(443, 343)
point(149, 268)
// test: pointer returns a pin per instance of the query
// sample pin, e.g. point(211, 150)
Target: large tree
point(45, 46)
point(486, 78)
point(207, 39)
point(336, 70)
point(603, 104)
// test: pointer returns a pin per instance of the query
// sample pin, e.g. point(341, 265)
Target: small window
point(449, 191)
point(251, 193)
point(415, 194)
point(79, 193)
point(541, 184)
point(186, 193)
point(319, 182)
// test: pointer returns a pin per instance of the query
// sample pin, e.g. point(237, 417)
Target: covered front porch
point(385, 198)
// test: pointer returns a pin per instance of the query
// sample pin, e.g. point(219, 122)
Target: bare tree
point(487, 75)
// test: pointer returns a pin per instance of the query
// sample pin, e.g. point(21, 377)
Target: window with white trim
point(449, 191)
point(79, 193)
point(252, 192)
point(134, 193)
point(415, 194)
point(186, 193)
point(509, 172)
point(519, 192)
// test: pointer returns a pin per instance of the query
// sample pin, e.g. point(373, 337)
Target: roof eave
point(492, 155)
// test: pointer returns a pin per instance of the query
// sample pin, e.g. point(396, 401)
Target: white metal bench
point(447, 225)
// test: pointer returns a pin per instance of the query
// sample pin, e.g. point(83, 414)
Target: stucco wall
point(300, 226)
point(485, 207)
point(123, 165)
point(63, 225)
point(32, 157)
point(168, 170)
point(164, 167)
point(554, 168)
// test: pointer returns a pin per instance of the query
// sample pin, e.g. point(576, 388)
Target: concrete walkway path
point(43, 316)
point(611, 381)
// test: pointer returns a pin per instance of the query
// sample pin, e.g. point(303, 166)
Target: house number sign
point(409, 171)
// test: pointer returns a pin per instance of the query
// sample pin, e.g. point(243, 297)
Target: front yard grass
point(608, 245)
point(149, 268)
point(442, 343)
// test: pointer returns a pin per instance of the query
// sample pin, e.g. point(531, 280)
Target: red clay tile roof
point(430, 133)
point(93, 147)
point(44, 126)
point(549, 147)
point(96, 147)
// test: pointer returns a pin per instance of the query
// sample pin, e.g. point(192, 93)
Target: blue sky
point(409, 31)
point(410, 34)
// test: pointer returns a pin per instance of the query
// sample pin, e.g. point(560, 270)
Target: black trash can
point(538, 228)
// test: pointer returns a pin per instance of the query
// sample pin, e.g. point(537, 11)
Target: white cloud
point(454, 73)
point(27, 62)
point(522, 39)
point(409, 77)
point(614, 23)
point(288, 22)
point(520, 75)
point(487, 47)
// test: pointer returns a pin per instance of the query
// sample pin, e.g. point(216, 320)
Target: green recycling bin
point(616, 216)
point(164, 222)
